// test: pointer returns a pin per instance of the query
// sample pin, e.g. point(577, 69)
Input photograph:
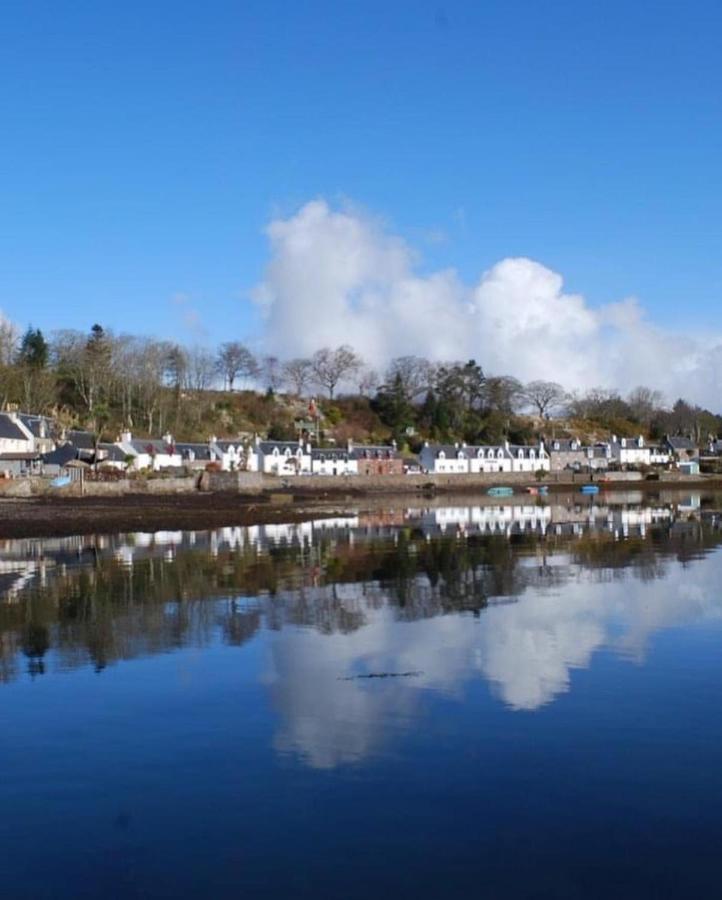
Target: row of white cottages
point(465, 459)
point(558, 455)
point(26, 446)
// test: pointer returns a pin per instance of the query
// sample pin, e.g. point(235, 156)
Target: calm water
point(495, 701)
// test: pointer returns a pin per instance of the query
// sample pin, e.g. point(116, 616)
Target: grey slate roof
point(35, 424)
point(150, 445)
point(111, 453)
point(329, 453)
point(267, 447)
point(565, 445)
point(10, 429)
point(449, 450)
point(198, 451)
point(61, 456)
point(83, 440)
point(375, 451)
point(681, 443)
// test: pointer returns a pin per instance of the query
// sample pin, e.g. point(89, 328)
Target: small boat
point(500, 492)
point(60, 482)
point(589, 489)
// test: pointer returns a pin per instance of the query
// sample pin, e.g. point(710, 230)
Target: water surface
point(517, 700)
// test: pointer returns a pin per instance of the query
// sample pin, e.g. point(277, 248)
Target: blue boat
point(589, 489)
point(60, 481)
point(500, 492)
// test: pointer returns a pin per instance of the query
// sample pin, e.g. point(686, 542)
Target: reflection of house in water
point(620, 521)
point(507, 519)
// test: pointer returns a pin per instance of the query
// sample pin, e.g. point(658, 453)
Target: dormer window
point(532, 454)
point(521, 454)
point(499, 453)
point(557, 445)
point(442, 455)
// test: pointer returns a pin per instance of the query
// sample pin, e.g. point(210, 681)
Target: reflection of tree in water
point(35, 644)
point(103, 611)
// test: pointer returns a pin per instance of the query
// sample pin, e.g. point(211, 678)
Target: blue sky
point(145, 146)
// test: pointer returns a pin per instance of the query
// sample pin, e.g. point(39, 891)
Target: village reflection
point(363, 616)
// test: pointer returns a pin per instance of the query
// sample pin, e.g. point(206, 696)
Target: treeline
point(103, 381)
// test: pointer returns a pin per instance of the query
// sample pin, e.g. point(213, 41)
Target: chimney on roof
point(168, 439)
point(125, 437)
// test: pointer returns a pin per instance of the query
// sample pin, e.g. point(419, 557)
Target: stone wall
point(243, 482)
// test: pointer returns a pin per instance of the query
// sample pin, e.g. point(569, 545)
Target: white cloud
point(339, 276)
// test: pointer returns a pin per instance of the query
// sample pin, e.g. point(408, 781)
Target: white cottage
point(489, 459)
point(15, 436)
point(528, 459)
point(630, 451)
point(281, 458)
point(445, 459)
point(149, 453)
point(325, 461)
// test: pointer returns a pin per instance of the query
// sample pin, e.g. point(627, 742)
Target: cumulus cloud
point(340, 276)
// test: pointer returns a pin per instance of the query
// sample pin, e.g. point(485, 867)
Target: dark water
point(506, 701)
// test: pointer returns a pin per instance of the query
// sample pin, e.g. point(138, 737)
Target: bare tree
point(234, 361)
point(86, 361)
point(201, 369)
point(368, 381)
point(503, 393)
point(413, 375)
point(271, 373)
point(298, 374)
point(644, 403)
point(9, 338)
point(330, 367)
point(544, 396)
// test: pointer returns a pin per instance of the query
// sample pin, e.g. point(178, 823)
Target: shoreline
point(44, 516)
